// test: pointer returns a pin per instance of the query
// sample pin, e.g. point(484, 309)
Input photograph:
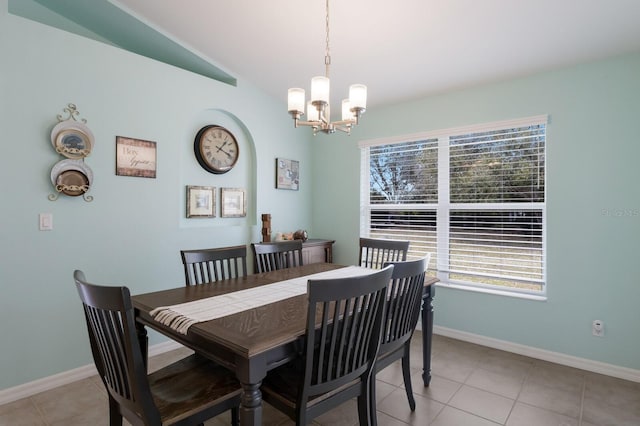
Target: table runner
point(182, 316)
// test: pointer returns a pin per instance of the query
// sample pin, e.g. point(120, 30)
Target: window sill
point(526, 296)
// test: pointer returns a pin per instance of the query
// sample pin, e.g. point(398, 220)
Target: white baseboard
point(47, 383)
point(542, 354)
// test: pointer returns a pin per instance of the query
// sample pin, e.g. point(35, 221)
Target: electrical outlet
point(597, 328)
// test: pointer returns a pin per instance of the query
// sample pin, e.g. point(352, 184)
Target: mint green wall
point(593, 199)
point(133, 230)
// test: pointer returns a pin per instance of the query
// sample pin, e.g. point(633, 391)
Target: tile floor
point(472, 386)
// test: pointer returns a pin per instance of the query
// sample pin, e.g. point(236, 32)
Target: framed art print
point(201, 201)
point(233, 202)
point(287, 174)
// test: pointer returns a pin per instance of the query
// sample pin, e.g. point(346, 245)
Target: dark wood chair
point(209, 265)
point(401, 315)
point(277, 255)
point(375, 252)
point(187, 392)
point(337, 361)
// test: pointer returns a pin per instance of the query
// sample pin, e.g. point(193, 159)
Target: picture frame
point(233, 202)
point(135, 157)
point(201, 201)
point(287, 174)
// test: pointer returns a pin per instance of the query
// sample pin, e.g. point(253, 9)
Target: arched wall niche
point(243, 175)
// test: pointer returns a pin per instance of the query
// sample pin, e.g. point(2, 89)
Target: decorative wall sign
point(201, 201)
point(233, 202)
point(287, 174)
point(135, 157)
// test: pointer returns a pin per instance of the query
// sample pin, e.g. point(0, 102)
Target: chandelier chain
point(327, 55)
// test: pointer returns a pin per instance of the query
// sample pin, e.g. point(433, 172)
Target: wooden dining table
point(254, 341)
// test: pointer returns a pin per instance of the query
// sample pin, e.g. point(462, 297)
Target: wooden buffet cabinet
point(316, 250)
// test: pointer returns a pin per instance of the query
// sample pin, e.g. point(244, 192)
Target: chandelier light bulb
point(312, 112)
point(347, 114)
point(296, 100)
point(320, 89)
point(358, 96)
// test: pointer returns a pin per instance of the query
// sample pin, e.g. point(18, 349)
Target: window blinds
point(474, 197)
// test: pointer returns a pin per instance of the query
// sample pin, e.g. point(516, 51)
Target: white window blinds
point(474, 197)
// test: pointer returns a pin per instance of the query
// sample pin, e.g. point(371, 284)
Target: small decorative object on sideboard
point(266, 228)
point(284, 236)
point(74, 140)
point(300, 234)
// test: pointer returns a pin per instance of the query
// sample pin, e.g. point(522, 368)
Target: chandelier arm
point(344, 122)
point(323, 118)
point(308, 123)
point(344, 129)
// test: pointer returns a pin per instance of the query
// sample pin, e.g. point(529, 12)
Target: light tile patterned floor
point(472, 386)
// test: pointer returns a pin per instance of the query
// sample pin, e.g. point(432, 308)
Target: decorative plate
point(71, 177)
point(72, 139)
point(72, 183)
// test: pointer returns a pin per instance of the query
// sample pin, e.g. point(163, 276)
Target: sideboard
point(315, 250)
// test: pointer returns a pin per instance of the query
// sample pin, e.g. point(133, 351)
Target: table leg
point(143, 339)
point(251, 404)
point(427, 332)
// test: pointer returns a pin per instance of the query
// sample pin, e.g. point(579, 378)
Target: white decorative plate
point(72, 139)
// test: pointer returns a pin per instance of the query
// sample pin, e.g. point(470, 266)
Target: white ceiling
point(402, 49)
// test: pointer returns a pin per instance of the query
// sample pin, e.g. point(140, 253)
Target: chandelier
point(318, 109)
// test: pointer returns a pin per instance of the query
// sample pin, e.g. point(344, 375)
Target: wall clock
point(216, 149)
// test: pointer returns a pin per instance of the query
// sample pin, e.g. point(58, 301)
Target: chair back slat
point(277, 255)
point(403, 303)
point(215, 264)
point(343, 330)
point(108, 330)
point(374, 253)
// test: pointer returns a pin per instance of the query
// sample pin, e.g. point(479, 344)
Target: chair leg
point(406, 374)
point(235, 416)
point(301, 418)
point(367, 413)
point(115, 418)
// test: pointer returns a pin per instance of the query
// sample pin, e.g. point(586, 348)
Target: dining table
point(253, 341)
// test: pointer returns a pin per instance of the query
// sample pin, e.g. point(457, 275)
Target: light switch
point(46, 221)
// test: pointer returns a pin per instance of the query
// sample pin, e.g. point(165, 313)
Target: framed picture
point(135, 157)
point(201, 201)
point(233, 202)
point(287, 174)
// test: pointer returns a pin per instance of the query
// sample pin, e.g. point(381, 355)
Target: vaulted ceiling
point(401, 50)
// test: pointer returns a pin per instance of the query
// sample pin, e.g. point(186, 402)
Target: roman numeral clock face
point(216, 149)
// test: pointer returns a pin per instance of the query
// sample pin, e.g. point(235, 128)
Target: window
point(473, 197)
